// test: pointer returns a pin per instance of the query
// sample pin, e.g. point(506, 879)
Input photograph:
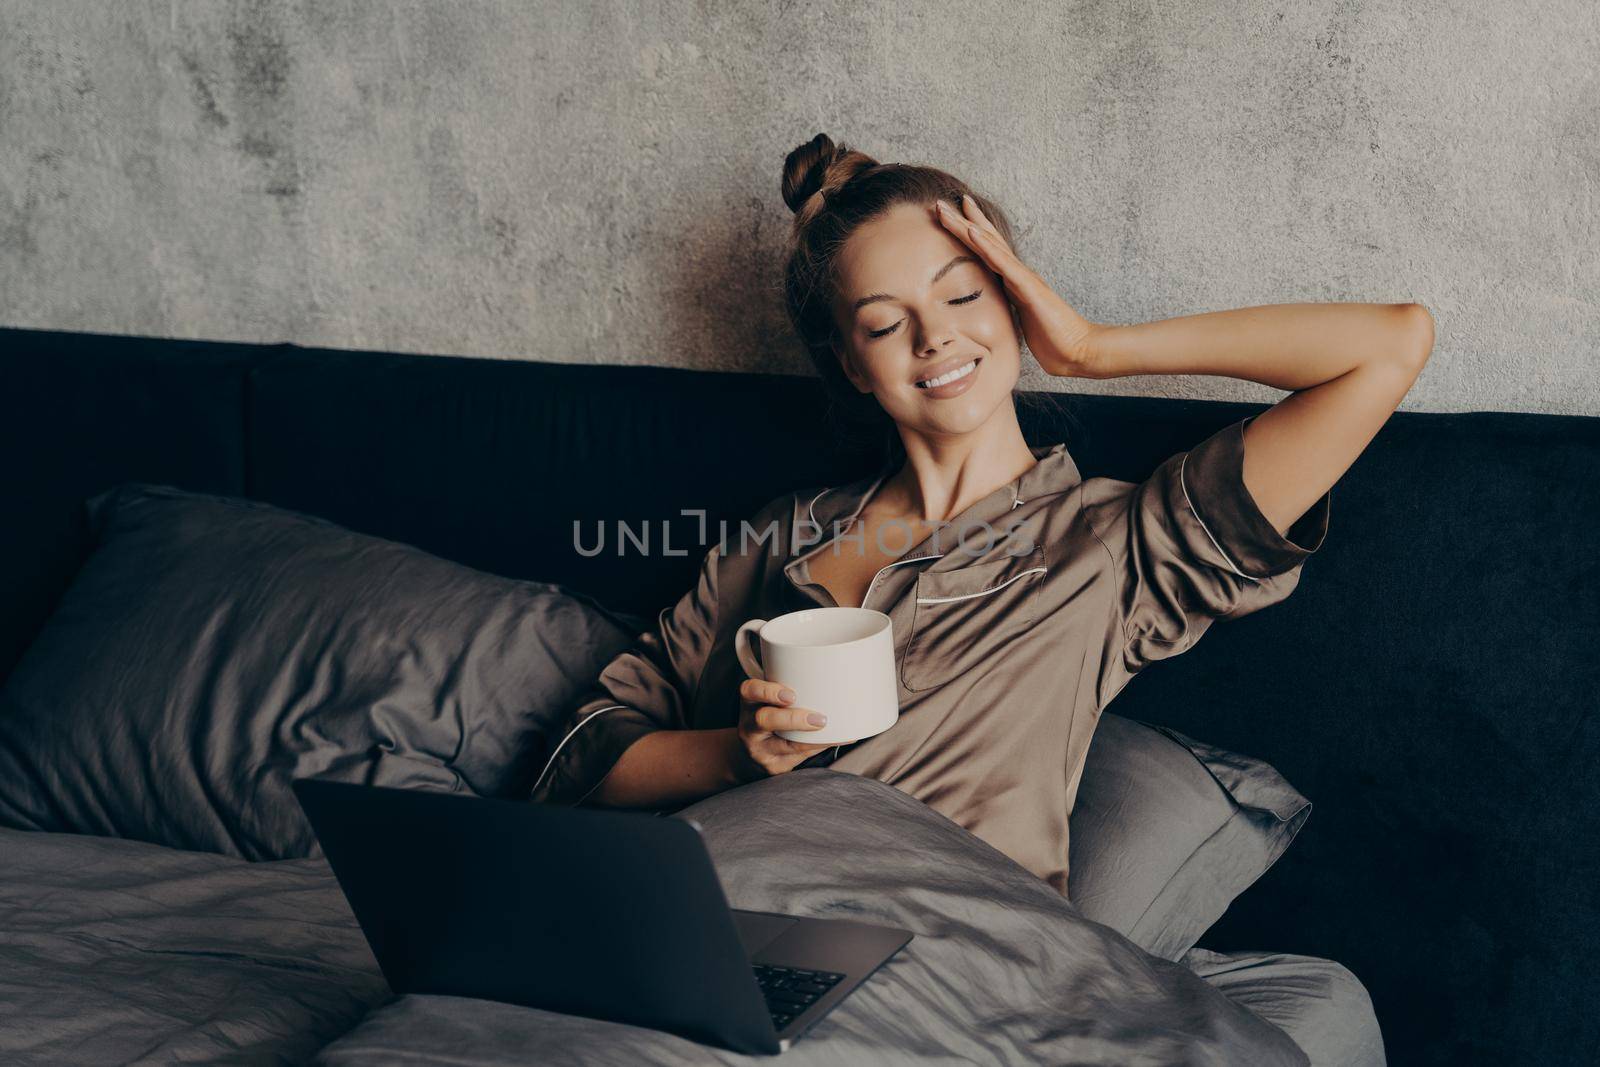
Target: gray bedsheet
point(118, 951)
point(1318, 1002)
point(1002, 970)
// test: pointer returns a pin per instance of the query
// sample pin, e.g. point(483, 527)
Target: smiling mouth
point(953, 376)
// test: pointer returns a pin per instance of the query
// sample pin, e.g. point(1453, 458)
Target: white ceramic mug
point(839, 661)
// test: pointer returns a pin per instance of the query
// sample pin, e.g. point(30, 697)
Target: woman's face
point(915, 304)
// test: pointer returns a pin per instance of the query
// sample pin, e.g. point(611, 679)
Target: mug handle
point(748, 659)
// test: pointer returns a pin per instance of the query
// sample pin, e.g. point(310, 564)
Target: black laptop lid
point(609, 914)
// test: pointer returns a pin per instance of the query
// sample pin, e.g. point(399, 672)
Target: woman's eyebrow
point(873, 298)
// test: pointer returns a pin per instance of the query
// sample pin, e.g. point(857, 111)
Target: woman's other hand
point(765, 707)
point(1056, 334)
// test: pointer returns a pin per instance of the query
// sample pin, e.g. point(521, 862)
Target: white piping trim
point(794, 534)
point(982, 592)
point(915, 559)
point(1181, 464)
point(811, 507)
point(587, 719)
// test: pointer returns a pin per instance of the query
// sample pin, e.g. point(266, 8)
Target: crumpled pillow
point(212, 649)
point(1167, 831)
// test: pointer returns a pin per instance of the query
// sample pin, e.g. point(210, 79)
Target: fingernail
point(786, 695)
point(974, 231)
point(816, 718)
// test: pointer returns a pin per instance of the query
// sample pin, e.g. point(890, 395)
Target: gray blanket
point(1002, 970)
point(117, 951)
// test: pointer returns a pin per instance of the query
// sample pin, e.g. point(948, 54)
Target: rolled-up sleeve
point(1189, 545)
point(649, 687)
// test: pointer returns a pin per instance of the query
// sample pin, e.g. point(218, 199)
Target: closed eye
point(887, 330)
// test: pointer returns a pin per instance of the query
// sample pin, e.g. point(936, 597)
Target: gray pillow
point(212, 649)
point(1167, 831)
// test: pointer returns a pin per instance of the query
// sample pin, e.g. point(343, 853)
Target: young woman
point(1023, 596)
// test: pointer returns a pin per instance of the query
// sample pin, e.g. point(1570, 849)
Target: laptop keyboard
point(791, 990)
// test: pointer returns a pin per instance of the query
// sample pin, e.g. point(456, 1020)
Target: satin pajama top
point(1014, 627)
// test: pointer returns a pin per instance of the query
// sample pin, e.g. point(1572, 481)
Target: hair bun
point(819, 166)
point(805, 169)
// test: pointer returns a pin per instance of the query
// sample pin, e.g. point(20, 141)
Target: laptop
point(606, 913)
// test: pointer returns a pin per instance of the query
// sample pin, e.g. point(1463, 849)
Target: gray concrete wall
point(593, 182)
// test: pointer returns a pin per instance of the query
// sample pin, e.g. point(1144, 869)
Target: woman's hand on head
point(764, 709)
point(1056, 334)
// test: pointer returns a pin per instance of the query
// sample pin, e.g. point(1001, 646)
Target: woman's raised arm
point(1349, 366)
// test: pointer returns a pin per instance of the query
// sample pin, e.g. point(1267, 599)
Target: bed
point(119, 951)
point(160, 904)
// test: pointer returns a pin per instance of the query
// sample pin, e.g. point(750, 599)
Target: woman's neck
point(943, 476)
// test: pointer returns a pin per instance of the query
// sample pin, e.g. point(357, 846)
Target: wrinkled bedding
point(116, 951)
point(120, 951)
point(1001, 970)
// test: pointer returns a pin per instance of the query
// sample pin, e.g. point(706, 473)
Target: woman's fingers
point(1056, 334)
point(973, 228)
point(801, 746)
point(972, 211)
point(771, 707)
point(773, 719)
point(759, 691)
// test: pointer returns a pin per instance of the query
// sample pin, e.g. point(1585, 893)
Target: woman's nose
point(937, 339)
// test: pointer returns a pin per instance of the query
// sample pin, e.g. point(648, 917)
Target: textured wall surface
point(596, 182)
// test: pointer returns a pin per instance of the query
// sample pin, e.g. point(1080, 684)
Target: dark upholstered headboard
point(1433, 684)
